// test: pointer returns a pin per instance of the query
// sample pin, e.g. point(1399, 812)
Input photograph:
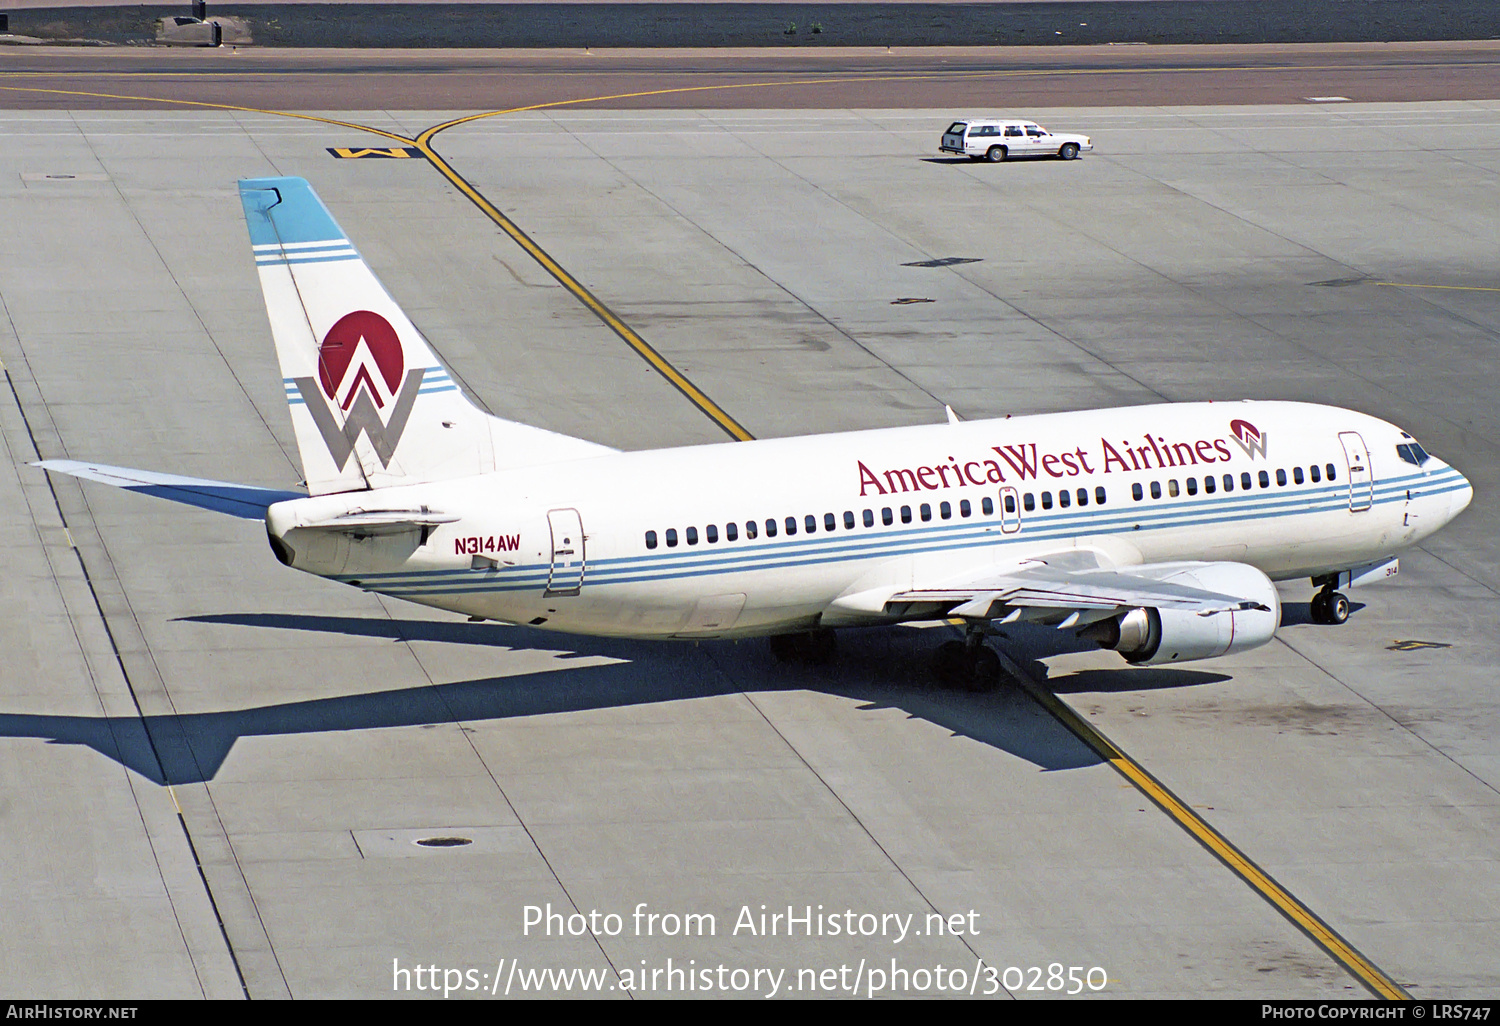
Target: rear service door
point(953, 139)
point(1361, 480)
point(566, 577)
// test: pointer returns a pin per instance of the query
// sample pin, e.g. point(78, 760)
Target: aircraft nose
point(1461, 498)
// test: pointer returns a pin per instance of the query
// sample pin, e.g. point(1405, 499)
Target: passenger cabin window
point(1010, 504)
point(1265, 479)
point(887, 517)
point(731, 531)
point(1192, 485)
point(964, 509)
point(1063, 499)
point(1099, 496)
point(1315, 473)
point(811, 523)
point(711, 532)
point(869, 518)
point(1172, 488)
point(945, 510)
point(671, 537)
point(1208, 484)
point(1137, 492)
point(1229, 482)
point(1329, 469)
point(906, 514)
point(1046, 500)
point(750, 529)
point(830, 522)
point(1029, 501)
point(926, 512)
point(849, 519)
point(1296, 475)
point(1281, 477)
point(988, 506)
point(1245, 481)
point(770, 528)
point(692, 536)
point(1155, 489)
point(650, 539)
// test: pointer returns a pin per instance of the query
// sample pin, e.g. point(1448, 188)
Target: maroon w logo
point(362, 398)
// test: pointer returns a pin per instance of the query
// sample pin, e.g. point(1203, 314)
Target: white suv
point(997, 139)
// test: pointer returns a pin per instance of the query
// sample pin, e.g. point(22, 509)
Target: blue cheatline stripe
point(891, 543)
point(951, 537)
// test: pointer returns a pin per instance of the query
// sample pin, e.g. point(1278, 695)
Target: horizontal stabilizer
point(244, 501)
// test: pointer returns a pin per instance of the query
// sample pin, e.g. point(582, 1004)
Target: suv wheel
point(995, 154)
point(1069, 151)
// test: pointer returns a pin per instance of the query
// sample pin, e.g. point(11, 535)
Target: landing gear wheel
point(969, 665)
point(995, 154)
point(1330, 607)
point(1337, 607)
point(985, 669)
point(949, 663)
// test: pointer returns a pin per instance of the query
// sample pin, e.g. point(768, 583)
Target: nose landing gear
point(1329, 607)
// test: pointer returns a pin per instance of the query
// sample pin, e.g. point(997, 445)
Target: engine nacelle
point(1153, 636)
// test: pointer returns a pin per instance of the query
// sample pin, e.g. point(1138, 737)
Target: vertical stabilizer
point(371, 405)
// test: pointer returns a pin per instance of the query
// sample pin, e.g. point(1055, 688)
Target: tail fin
point(371, 405)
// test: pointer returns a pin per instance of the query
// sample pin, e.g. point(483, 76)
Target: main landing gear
point(968, 664)
point(813, 647)
point(1328, 606)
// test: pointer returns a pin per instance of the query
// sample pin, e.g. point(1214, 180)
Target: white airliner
point(1152, 530)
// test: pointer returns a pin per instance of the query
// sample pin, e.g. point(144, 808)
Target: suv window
point(957, 128)
point(1013, 130)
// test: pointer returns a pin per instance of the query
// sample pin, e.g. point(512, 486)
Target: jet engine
point(1153, 636)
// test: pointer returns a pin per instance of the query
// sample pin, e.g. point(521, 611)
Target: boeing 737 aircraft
point(1153, 530)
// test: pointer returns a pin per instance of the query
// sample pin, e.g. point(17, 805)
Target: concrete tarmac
point(220, 767)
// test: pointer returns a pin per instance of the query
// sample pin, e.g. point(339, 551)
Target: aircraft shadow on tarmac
point(881, 668)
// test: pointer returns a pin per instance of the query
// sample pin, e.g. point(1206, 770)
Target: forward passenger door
point(1361, 479)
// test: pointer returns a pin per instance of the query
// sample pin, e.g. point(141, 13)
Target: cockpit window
point(1412, 453)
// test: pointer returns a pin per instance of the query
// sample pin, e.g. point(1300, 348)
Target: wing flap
point(1039, 589)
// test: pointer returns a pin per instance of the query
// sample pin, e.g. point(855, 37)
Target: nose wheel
point(1330, 607)
point(969, 664)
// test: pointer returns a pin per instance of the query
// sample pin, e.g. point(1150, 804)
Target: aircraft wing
point(244, 501)
point(1071, 588)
